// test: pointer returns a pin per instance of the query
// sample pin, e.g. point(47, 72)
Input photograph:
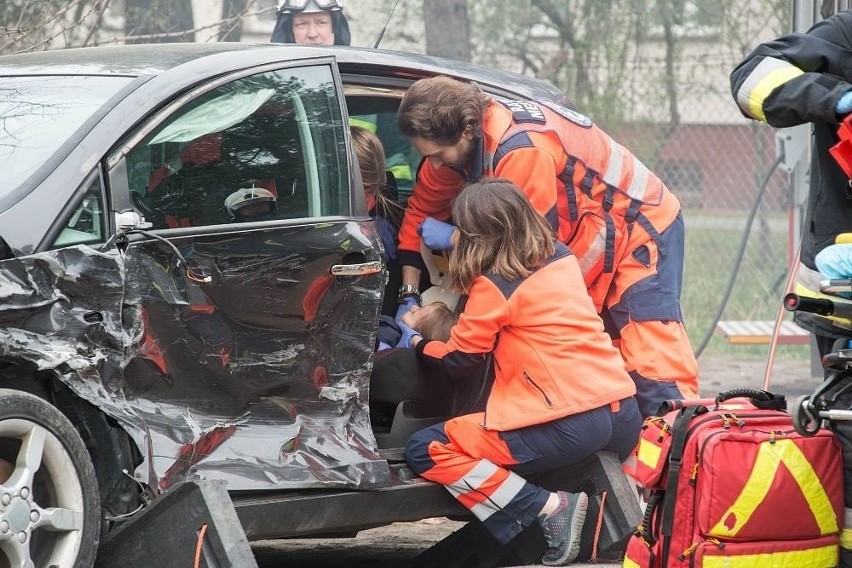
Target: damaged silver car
point(190, 286)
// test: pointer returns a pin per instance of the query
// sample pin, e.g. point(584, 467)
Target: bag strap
point(679, 432)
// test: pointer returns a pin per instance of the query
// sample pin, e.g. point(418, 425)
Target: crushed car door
point(254, 291)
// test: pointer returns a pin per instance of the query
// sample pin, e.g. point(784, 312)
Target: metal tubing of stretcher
point(840, 415)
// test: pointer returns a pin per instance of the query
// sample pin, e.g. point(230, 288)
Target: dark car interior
point(190, 181)
point(400, 157)
point(399, 408)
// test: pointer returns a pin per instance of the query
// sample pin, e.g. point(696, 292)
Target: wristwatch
point(407, 290)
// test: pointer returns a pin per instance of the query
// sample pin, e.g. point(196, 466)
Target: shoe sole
point(578, 518)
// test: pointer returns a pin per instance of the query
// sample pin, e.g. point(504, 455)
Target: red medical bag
point(733, 484)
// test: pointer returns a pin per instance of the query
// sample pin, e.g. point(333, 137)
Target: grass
point(712, 241)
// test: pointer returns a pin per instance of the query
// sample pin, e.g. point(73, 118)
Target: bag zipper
point(725, 417)
point(690, 552)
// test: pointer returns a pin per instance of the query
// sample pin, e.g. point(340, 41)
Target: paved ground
point(397, 545)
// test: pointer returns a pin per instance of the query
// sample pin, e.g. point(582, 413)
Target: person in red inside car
point(619, 219)
point(560, 391)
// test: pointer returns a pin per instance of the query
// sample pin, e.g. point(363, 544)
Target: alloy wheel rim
point(41, 500)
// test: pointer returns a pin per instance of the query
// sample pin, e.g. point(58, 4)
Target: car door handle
point(359, 269)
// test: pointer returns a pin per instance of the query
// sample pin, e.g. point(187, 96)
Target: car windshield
point(39, 114)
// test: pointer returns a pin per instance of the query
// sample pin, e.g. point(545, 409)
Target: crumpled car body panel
point(249, 363)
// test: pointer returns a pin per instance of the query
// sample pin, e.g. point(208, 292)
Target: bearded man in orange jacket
point(619, 219)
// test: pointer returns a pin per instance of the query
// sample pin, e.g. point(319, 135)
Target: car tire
point(111, 452)
point(49, 502)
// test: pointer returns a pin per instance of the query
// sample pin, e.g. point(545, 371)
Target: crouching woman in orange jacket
point(560, 390)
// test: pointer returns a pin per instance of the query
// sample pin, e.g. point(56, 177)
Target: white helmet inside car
point(247, 196)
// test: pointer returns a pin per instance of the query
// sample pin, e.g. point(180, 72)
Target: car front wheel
point(49, 504)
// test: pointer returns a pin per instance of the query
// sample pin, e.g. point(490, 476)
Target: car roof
point(155, 59)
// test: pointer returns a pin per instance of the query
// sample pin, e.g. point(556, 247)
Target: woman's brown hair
point(371, 161)
point(440, 109)
point(499, 232)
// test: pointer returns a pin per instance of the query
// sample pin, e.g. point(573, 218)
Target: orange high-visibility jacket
point(602, 201)
point(552, 357)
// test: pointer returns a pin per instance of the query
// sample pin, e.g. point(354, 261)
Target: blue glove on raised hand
point(404, 307)
point(437, 235)
point(408, 334)
point(844, 104)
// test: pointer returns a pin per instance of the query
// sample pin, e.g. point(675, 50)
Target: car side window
point(85, 225)
point(265, 147)
point(378, 114)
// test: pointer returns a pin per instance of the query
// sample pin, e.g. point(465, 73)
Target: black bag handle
point(760, 398)
point(646, 527)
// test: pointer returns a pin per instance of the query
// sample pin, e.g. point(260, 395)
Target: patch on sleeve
point(524, 112)
point(572, 115)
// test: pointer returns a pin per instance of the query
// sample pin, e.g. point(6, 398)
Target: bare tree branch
point(64, 29)
point(82, 23)
point(171, 35)
point(97, 23)
point(553, 14)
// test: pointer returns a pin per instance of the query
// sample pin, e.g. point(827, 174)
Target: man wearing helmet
point(322, 22)
point(313, 22)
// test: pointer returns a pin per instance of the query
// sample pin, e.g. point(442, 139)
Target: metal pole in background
point(805, 14)
point(825, 8)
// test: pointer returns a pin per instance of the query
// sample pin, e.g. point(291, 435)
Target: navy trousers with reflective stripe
point(483, 468)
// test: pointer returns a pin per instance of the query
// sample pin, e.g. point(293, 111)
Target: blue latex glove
point(404, 308)
point(407, 335)
point(844, 103)
point(436, 234)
